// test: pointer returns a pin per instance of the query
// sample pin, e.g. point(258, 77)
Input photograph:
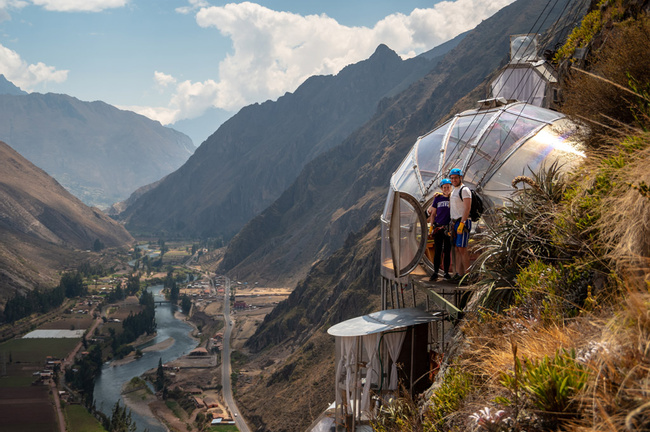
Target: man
point(460, 203)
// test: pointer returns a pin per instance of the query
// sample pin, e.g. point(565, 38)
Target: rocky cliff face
point(7, 87)
point(97, 152)
point(253, 157)
point(42, 224)
point(340, 190)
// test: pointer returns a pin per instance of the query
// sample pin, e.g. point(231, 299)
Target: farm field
point(27, 410)
point(79, 420)
point(25, 407)
point(68, 322)
point(224, 428)
point(36, 350)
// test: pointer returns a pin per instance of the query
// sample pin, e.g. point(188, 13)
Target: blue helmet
point(445, 181)
point(456, 171)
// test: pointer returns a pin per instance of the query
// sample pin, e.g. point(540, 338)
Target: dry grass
point(612, 196)
point(617, 395)
point(534, 341)
point(623, 62)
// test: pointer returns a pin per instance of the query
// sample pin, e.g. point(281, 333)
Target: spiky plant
point(525, 231)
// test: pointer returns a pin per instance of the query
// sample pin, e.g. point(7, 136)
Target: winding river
point(108, 386)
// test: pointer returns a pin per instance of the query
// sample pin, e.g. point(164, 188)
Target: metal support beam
point(442, 303)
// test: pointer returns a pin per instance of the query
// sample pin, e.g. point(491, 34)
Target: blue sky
point(174, 59)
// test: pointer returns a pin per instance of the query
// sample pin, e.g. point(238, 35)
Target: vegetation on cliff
point(558, 330)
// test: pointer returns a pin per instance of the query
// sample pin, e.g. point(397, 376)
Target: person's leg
point(446, 251)
point(462, 240)
point(454, 252)
point(463, 263)
point(438, 242)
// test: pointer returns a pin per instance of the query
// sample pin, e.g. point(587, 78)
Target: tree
point(186, 304)
point(98, 245)
point(160, 376)
point(121, 420)
point(133, 284)
point(73, 284)
point(163, 247)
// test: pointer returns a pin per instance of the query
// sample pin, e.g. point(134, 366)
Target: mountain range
point(97, 152)
point(340, 190)
point(255, 155)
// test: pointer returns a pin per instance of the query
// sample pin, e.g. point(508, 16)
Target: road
point(57, 406)
point(225, 364)
point(69, 360)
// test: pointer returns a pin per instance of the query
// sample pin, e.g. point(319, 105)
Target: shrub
point(447, 398)
point(549, 383)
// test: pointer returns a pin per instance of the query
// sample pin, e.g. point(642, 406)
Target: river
point(108, 385)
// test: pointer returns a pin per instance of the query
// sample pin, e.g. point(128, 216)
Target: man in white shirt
point(460, 203)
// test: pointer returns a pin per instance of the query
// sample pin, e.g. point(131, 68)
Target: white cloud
point(274, 52)
point(6, 5)
point(162, 114)
point(194, 5)
point(189, 100)
point(79, 5)
point(27, 76)
point(163, 80)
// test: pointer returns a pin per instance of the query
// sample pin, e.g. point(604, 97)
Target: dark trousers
point(442, 243)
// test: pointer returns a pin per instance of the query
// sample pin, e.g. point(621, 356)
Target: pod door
point(408, 233)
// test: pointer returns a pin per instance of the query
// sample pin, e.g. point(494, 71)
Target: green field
point(35, 350)
point(78, 419)
point(17, 381)
point(176, 409)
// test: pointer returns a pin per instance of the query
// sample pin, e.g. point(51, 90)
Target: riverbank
point(161, 346)
point(137, 397)
point(186, 319)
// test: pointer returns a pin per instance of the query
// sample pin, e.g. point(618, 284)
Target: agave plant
point(525, 230)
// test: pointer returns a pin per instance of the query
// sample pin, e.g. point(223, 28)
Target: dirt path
point(57, 404)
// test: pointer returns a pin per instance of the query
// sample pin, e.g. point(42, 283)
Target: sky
point(176, 59)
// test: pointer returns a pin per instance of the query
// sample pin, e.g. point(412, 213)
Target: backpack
point(477, 208)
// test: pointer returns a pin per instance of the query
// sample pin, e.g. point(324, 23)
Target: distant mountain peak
point(383, 50)
point(7, 87)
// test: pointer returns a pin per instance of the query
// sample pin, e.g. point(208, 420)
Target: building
point(199, 352)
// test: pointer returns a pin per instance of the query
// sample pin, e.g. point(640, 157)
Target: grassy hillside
point(558, 332)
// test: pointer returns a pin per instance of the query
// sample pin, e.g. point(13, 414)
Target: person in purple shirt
point(439, 217)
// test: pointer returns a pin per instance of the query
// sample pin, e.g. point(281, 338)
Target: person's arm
point(467, 202)
point(432, 214)
point(468, 205)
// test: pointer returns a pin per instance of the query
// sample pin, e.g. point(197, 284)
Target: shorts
point(461, 240)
